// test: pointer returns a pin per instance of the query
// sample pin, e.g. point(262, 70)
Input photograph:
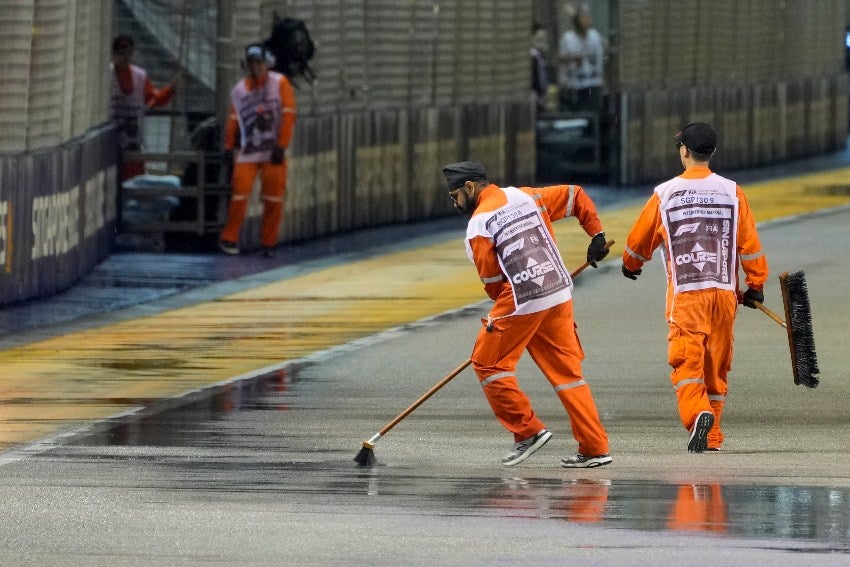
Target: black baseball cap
point(698, 137)
point(457, 174)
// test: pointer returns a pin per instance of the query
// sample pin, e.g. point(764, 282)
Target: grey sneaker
point(699, 434)
point(579, 461)
point(523, 449)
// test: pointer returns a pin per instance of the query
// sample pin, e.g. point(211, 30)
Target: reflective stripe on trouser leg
point(494, 359)
point(242, 183)
point(692, 400)
point(690, 316)
point(557, 351)
point(511, 406)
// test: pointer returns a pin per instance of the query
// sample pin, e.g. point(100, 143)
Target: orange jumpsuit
point(510, 241)
point(712, 231)
point(246, 167)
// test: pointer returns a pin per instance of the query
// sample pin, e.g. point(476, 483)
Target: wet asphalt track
point(261, 472)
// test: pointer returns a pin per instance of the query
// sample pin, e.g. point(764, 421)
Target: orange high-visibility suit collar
point(696, 172)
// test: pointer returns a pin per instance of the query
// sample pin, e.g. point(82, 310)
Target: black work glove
point(752, 295)
point(630, 274)
point(277, 155)
point(596, 251)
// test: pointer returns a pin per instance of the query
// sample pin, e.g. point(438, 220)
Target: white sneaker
point(579, 461)
point(523, 449)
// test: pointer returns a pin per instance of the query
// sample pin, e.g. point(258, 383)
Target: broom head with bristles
point(366, 456)
point(801, 338)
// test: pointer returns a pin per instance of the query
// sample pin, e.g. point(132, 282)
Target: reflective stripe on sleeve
point(493, 279)
point(716, 397)
point(495, 377)
point(571, 385)
point(571, 201)
point(758, 254)
point(537, 197)
point(635, 255)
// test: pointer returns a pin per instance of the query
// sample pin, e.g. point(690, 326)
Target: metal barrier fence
point(349, 171)
point(57, 214)
point(756, 124)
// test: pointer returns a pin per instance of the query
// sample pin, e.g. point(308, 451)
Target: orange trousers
point(274, 191)
point(698, 508)
point(552, 341)
point(700, 351)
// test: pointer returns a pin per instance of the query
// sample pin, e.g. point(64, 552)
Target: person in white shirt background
point(581, 57)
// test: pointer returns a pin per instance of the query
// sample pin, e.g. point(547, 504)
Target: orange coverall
point(701, 321)
point(273, 175)
point(549, 335)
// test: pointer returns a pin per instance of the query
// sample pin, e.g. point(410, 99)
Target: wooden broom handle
point(425, 396)
point(581, 268)
point(770, 314)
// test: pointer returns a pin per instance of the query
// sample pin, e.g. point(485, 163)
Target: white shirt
point(588, 72)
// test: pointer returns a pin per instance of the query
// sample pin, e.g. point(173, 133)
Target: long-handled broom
point(366, 456)
point(798, 324)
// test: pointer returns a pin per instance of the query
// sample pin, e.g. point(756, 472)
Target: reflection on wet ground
point(228, 455)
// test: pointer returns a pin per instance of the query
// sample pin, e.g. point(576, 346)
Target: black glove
point(630, 274)
point(752, 295)
point(277, 155)
point(596, 251)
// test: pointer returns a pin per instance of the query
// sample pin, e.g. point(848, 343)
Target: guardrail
point(57, 214)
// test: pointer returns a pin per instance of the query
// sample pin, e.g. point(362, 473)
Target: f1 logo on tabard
point(687, 228)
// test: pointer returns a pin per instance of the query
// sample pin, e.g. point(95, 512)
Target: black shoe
point(267, 251)
point(523, 449)
point(698, 442)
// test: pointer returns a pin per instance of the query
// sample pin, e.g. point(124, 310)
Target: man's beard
point(466, 209)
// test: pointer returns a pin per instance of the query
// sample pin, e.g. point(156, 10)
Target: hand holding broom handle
point(581, 268)
point(366, 456)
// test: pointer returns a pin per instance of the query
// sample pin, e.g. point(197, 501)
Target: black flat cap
point(457, 174)
point(698, 137)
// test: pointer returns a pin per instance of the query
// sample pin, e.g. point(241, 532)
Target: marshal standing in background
point(132, 93)
point(261, 123)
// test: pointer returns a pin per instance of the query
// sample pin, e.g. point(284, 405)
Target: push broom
point(798, 324)
point(366, 456)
